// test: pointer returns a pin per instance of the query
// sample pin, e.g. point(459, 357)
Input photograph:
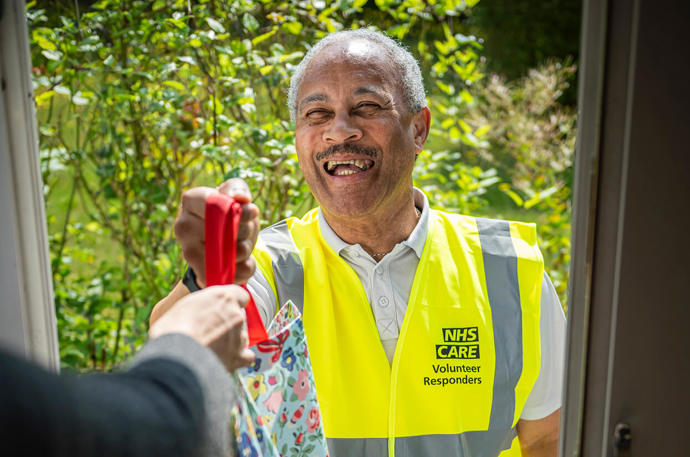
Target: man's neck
point(376, 233)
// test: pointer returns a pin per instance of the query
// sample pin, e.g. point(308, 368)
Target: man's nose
point(342, 129)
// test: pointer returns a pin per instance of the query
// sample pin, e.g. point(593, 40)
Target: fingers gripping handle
point(222, 216)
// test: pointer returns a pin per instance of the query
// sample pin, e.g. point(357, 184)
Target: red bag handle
point(223, 216)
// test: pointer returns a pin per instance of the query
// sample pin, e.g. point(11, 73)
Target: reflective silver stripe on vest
point(482, 443)
point(357, 447)
point(502, 287)
point(287, 266)
point(485, 443)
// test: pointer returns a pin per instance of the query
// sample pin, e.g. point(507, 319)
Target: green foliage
point(531, 143)
point(140, 100)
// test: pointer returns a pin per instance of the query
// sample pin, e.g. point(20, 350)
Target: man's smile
point(346, 159)
point(347, 167)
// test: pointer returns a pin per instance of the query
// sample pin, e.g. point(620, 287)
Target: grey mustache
point(356, 149)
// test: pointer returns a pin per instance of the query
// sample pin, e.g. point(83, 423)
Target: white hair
point(407, 66)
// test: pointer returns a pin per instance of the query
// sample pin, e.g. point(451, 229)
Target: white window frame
point(27, 314)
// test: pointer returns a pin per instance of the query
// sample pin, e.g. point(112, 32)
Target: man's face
point(356, 139)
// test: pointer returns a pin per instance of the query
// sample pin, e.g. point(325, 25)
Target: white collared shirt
point(388, 282)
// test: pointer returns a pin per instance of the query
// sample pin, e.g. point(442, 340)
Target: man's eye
point(316, 114)
point(367, 107)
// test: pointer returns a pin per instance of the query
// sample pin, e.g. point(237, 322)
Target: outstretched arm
point(156, 408)
point(175, 399)
point(189, 230)
point(163, 306)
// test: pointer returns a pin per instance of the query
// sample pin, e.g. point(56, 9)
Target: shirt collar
point(415, 241)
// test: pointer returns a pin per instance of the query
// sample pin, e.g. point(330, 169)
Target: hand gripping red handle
point(222, 216)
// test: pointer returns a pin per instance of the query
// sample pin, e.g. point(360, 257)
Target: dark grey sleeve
point(217, 388)
point(173, 400)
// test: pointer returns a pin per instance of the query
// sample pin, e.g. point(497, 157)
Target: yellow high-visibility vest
point(468, 352)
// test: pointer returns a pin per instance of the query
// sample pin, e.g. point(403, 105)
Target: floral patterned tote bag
point(277, 412)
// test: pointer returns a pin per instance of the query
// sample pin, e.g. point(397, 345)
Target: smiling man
point(430, 334)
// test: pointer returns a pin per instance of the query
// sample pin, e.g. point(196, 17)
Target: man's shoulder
point(281, 234)
point(472, 225)
point(463, 219)
point(310, 217)
point(453, 218)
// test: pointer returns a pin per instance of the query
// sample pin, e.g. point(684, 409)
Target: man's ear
point(421, 121)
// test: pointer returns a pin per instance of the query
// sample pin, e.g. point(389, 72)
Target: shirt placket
point(383, 301)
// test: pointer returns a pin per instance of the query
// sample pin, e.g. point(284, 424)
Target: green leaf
point(399, 31)
point(175, 85)
point(441, 47)
point(447, 123)
point(250, 22)
point(44, 43)
point(215, 25)
point(77, 99)
point(514, 196)
point(52, 54)
point(470, 140)
point(292, 56)
point(330, 26)
point(481, 131)
point(264, 37)
point(44, 97)
point(464, 39)
point(488, 181)
point(177, 23)
point(294, 28)
point(266, 69)
point(422, 47)
point(447, 89)
point(466, 97)
point(92, 226)
point(540, 196)
point(454, 134)
point(187, 59)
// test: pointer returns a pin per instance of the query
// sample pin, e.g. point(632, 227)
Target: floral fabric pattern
point(277, 413)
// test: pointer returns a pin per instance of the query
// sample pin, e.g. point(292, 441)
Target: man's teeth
point(345, 172)
point(361, 164)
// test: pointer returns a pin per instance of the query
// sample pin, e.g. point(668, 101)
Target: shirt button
point(383, 301)
point(379, 272)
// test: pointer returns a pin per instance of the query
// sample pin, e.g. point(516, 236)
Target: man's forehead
point(366, 63)
point(361, 48)
point(355, 57)
point(356, 51)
